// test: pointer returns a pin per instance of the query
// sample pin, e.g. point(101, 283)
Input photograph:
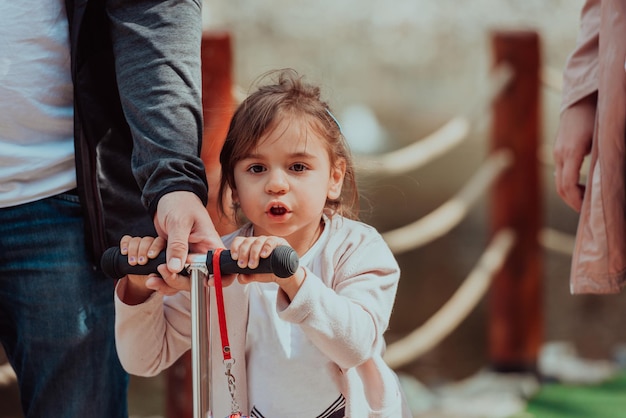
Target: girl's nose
point(277, 183)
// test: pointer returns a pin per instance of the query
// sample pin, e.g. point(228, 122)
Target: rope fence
point(446, 138)
point(442, 220)
point(453, 312)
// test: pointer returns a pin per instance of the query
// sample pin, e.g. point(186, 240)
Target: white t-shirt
point(36, 112)
point(286, 357)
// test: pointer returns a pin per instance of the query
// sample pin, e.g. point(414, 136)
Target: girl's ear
point(234, 196)
point(335, 182)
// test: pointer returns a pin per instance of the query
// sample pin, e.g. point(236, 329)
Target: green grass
point(606, 400)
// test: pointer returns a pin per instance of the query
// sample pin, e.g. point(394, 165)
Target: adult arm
point(578, 108)
point(157, 58)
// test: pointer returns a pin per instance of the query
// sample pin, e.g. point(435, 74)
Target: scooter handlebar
point(282, 262)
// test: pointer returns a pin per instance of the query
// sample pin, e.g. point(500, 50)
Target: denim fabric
point(57, 314)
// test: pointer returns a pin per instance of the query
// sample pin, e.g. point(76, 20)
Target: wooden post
point(516, 298)
point(218, 106)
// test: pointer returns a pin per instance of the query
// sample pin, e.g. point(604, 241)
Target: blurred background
point(395, 71)
point(414, 65)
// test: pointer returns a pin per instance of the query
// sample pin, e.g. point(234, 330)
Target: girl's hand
point(138, 251)
point(249, 250)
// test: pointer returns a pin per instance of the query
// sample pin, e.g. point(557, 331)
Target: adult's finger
point(168, 283)
point(184, 222)
point(158, 285)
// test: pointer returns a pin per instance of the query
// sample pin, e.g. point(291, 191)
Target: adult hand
point(573, 143)
point(183, 221)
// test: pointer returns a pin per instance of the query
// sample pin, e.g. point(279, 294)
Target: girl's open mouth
point(278, 210)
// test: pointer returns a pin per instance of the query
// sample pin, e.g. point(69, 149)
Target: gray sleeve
point(156, 45)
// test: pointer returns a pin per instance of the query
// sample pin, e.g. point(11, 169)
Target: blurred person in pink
point(593, 122)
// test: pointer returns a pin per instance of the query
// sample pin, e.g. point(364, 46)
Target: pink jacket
point(598, 64)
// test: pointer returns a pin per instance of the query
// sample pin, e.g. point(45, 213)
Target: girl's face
point(282, 186)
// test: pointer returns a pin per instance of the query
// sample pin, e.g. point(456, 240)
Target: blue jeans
point(57, 314)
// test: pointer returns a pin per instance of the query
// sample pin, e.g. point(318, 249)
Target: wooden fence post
point(218, 106)
point(516, 296)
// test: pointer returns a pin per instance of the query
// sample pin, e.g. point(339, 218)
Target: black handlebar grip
point(282, 262)
point(115, 265)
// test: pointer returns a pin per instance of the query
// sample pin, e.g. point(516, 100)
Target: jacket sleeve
point(580, 77)
point(347, 321)
point(156, 45)
point(151, 336)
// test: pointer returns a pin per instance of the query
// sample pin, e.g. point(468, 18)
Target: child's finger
point(227, 280)
point(269, 245)
point(156, 247)
point(240, 251)
point(234, 247)
point(142, 250)
point(133, 250)
point(244, 278)
point(124, 244)
point(249, 251)
point(261, 245)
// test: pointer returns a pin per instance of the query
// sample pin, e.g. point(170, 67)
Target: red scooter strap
point(221, 316)
point(219, 297)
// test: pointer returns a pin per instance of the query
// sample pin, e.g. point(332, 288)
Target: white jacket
point(344, 312)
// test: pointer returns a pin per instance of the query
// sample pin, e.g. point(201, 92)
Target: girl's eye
point(298, 167)
point(256, 168)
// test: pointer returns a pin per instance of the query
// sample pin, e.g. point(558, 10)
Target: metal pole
point(200, 334)
point(218, 105)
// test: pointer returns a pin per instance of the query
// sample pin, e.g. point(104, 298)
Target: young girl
point(309, 345)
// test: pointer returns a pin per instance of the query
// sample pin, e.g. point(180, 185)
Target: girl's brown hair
point(289, 96)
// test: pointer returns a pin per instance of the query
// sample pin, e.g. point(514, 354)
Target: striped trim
point(336, 410)
point(255, 413)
